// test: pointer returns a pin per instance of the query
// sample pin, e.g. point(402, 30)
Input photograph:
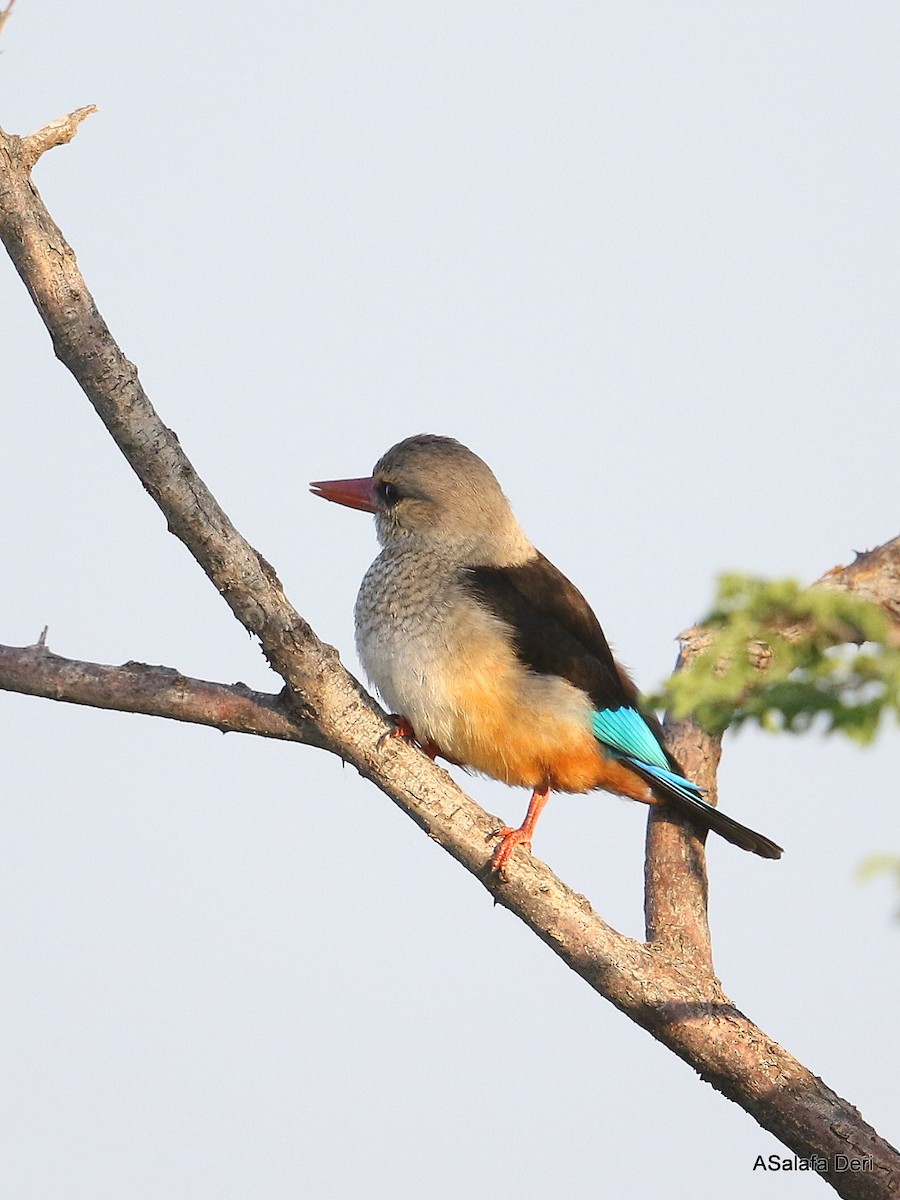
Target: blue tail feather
point(627, 736)
point(626, 731)
point(686, 788)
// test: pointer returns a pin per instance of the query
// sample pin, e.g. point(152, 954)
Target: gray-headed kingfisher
point(487, 653)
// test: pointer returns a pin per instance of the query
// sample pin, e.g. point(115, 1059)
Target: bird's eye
point(388, 493)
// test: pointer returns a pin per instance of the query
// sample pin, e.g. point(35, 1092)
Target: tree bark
point(667, 986)
point(154, 691)
point(675, 894)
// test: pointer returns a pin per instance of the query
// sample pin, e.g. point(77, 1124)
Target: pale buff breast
point(447, 665)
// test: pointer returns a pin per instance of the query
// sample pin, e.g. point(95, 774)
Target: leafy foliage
point(782, 655)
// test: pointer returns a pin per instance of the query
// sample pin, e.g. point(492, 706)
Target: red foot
point(511, 839)
point(403, 729)
point(522, 835)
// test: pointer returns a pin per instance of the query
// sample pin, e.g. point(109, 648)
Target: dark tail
point(686, 797)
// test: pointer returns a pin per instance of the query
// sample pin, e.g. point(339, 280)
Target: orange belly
point(531, 736)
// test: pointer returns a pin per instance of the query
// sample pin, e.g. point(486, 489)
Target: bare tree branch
point(5, 12)
point(665, 987)
point(675, 886)
point(154, 691)
point(874, 574)
point(57, 133)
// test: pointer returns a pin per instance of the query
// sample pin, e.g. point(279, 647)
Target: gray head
point(431, 492)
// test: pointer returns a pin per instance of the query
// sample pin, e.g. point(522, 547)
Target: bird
point(489, 657)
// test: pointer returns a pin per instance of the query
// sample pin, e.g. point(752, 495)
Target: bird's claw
point(404, 730)
point(400, 728)
point(510, 838)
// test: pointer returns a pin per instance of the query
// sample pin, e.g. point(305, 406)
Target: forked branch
point(668, 986)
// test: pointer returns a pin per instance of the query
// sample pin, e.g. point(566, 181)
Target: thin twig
point(56, 133)
point(4, 13)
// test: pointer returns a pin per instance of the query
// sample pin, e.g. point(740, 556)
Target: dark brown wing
point(554, 628)
point(556, 633)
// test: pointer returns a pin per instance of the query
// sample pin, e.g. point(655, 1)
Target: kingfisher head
point(432, 492)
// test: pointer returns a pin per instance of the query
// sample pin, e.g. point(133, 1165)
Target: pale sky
point(644, 259)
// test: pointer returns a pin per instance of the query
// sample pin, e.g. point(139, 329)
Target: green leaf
point(825, 654)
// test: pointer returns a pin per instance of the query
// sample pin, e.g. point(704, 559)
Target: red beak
point(353, 493)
